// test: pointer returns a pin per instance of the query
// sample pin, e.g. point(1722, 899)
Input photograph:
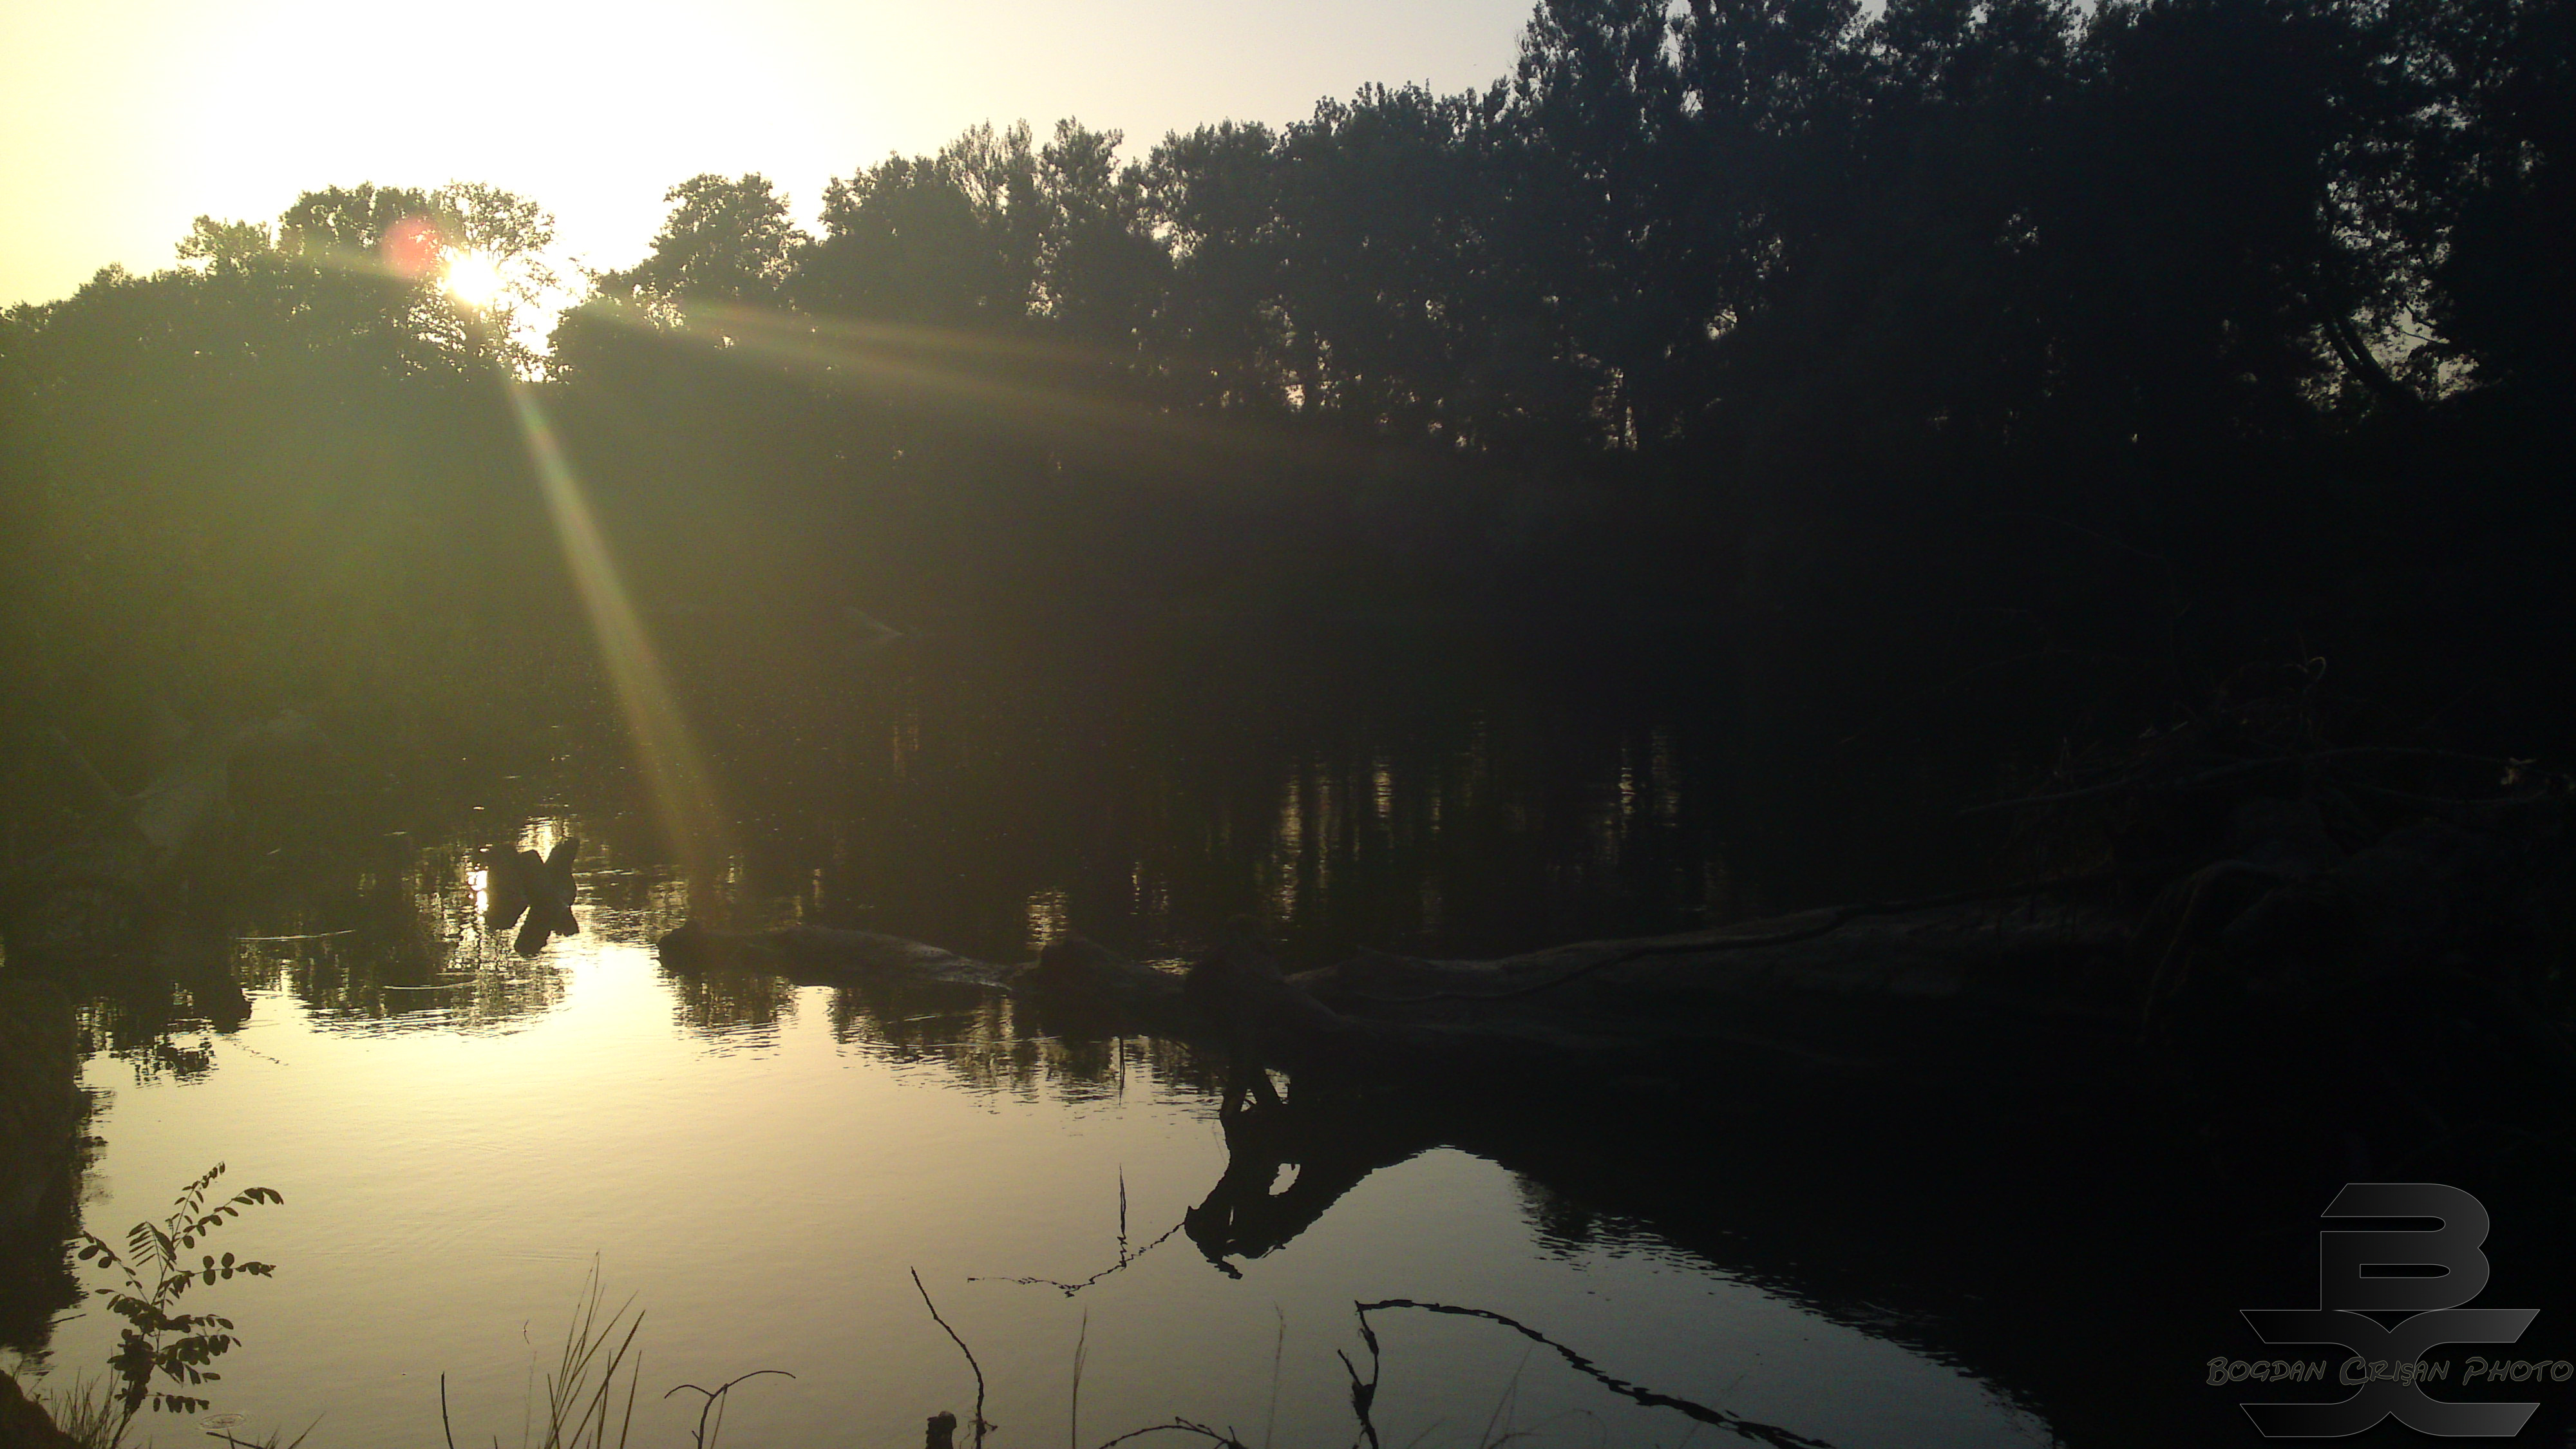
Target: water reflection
point(44, 1153)
point(1284, 1169)
point(536, 885)
point(759, 1200)
point(1011, 1045)
point(418, 937)
point(993, 802)
point(732, 1010)
point(408, 944)
point(987, 798)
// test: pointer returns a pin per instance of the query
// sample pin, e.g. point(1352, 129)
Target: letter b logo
point(2348, 1292)
point(2344, 1258)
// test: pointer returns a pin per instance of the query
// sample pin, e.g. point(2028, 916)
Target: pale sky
point(121, 120)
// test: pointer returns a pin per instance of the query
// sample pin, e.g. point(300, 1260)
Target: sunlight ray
point(674, 770)
point(974, 371)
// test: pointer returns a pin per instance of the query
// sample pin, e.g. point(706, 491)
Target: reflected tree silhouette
point(1247, 1214)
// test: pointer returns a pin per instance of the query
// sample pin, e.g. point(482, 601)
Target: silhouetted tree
point(729, 242)
point(1213, 194)
point(2093, 318)
point(1101, 270)
point(2490, 175)
point(928, 240)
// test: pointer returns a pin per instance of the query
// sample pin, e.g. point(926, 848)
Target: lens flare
point(412, 247)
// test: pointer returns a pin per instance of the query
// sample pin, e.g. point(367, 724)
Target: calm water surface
point(465, 1137)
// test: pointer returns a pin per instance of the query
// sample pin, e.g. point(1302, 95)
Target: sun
point(472, 278)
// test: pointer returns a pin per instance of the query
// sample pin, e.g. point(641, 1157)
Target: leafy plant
point(159, 1347)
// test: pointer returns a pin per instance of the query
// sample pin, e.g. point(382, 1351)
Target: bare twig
point(980, 1424)
point(1364, 1395)
point(1770, 1434)
point(1125, 1257)
point(272, 1438)
point(1184, 1425)
point(2442, 802)
point(715, 1396)
point(301, 936)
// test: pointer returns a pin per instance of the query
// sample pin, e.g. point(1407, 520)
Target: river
point(465, 1138)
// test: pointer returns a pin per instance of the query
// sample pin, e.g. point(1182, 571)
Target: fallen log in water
point(1862, 992)
point(2392, 991)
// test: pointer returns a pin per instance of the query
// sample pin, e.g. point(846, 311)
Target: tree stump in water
point(541, 887)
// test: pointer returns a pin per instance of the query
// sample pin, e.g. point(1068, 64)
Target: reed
point(582, 1389)
point(86, 1410)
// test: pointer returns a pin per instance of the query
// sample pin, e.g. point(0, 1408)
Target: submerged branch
point(1185, 1426)
point(1125, 1258)
point(980, 1424)
point(1752, 1429)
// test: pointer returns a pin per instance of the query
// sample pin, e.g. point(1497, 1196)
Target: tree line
point(2163, 330)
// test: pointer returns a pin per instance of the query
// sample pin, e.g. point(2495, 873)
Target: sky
point(122, 120)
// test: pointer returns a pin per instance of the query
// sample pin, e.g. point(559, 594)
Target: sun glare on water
point(473, 279)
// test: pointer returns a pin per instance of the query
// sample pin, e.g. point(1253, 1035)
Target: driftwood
point(1847, 993)
point(2388, 982)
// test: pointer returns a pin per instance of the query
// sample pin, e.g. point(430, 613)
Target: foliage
point(725, 241)
point(2167, 332)
point(160, 1351)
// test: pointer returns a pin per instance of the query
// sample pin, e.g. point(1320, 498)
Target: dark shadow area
point(43, 1114)
point(1676, 484)
point(2085, 1261)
